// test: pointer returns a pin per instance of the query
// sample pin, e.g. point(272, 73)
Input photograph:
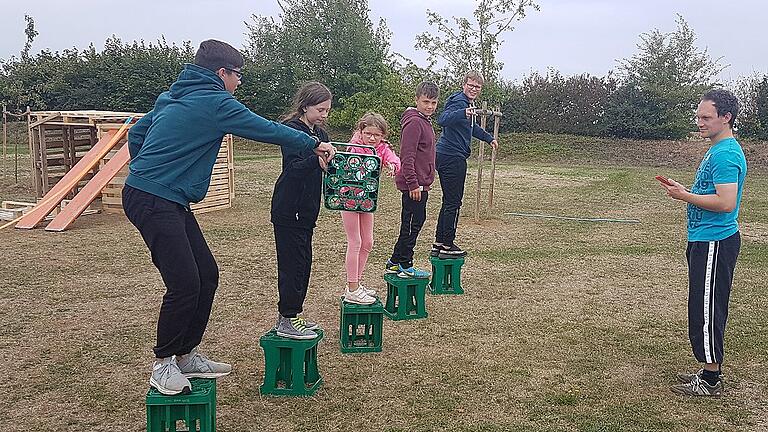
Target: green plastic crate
point(351, 182)
point(360, 327)
point(193, 412)
point(405, 298)
point(446, 276)
point(290, 365)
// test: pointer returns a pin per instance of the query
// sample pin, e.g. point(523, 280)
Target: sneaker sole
point(297, 337)
point(206, 374)
point(346, 300)
point(167, 392)
point(451, 256)
point(407, 276)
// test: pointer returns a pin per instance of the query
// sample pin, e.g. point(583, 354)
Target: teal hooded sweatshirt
point(174, 147)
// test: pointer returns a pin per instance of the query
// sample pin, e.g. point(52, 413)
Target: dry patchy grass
point(565, 326)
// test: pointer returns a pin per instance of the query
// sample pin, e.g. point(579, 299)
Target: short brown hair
point(474, 76)
point(725, 102)
point(373, 119)
point(214, 55)
point(428, 89)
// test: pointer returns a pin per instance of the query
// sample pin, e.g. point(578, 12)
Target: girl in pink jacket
point(371, 130)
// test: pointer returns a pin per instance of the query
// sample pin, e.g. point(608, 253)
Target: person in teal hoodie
point(173, 149)
point(453, 150)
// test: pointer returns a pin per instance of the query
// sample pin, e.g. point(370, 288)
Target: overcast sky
point(572, 36)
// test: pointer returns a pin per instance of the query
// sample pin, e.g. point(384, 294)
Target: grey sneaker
point(294, 328)
point(685, 378)
point(196, 365)
point(309, 325)
point(167, 378)
point(698, 387)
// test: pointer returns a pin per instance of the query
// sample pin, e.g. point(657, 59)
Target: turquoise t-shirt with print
point(723, 163)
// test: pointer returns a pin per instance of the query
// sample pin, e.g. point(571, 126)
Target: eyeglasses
point(372, 135)
point(474, 86)
point(236, 72)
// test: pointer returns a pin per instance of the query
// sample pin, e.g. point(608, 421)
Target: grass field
point(565, 326)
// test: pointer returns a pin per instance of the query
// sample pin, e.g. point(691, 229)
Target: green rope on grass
point(579, 219)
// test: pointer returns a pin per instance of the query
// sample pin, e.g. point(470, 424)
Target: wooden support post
point(480, 157)
point(32, 153)
point(5, 140)
point(496, 121)
point(43, 161)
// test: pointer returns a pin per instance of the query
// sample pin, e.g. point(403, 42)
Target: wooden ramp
point(72, 177)
point(85, 197)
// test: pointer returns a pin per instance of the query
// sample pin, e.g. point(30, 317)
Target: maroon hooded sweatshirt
point(417, 152)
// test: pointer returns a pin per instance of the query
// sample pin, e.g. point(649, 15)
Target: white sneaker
point(359, 296)
point(368, 291)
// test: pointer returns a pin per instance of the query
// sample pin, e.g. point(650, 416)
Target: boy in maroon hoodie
point(417, 172)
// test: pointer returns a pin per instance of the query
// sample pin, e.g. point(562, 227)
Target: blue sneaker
point(391, 267)
point(412, 272)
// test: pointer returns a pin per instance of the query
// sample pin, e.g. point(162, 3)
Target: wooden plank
point(60, 190)
point(46, 118)
point(85, 197)
point(15, 204)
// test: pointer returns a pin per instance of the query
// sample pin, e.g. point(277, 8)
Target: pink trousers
point(359, 229)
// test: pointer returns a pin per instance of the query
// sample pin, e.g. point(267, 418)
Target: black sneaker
point(685, 378)
point(436, 248)
point(451, 252)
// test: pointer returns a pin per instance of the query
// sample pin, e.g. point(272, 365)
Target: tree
point(31, 33)
point(332, 41)
point(665, 79)
point(553, 103)
point(753, 118)
point(473, 43)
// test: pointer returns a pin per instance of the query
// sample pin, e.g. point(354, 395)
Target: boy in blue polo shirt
point(713, 239)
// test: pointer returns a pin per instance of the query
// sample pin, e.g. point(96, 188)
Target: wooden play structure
point(483, 114)
point(81, 158)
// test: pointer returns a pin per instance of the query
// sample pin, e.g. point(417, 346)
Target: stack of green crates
point(351, 182)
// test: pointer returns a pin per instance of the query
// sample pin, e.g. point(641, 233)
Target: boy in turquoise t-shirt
point(713, 239)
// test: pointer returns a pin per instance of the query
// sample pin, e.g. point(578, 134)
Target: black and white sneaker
point(436, 248)
point(451, 252)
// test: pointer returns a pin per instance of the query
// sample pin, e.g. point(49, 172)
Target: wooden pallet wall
point(221, 191)
point(58, 139)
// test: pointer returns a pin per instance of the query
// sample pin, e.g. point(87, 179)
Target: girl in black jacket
point(295, 206)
